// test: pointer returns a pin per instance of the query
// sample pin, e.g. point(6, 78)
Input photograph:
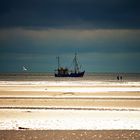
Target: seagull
point(24, 69)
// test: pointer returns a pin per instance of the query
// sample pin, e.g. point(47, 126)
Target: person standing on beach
point(118, 78)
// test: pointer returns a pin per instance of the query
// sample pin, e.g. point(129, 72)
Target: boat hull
point(79, 74)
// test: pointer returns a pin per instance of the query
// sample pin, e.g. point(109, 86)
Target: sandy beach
point(84, 95)
point(70, 106)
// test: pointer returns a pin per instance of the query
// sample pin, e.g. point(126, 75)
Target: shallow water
point(87, 77)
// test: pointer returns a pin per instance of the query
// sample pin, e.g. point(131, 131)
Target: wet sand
point(70, 135)
point(74, 103)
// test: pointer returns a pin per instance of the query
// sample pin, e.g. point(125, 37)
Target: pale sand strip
point(55, 95)
point(71, 103)
point(68, 88)
point(69, 120)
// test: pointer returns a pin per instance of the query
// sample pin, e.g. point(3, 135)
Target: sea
point(92, 77)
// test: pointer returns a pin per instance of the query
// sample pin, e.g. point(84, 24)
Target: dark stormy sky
point(104, 33)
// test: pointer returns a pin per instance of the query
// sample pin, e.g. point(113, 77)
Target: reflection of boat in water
point(65, 72)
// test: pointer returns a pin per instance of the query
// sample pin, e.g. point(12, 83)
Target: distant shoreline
point(87, 77)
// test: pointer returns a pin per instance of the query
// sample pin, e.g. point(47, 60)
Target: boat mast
point(76, 68)
point(58, 60)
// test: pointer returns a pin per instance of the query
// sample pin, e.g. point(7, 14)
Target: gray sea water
point(109, 77)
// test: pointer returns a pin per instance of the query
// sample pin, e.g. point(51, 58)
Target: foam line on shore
point(71, 83)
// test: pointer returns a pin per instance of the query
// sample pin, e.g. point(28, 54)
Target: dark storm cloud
point(70, 13)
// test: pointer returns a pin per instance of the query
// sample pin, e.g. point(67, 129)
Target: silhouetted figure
point(118, 78)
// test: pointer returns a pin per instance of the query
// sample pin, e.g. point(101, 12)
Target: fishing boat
point(65, 72)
